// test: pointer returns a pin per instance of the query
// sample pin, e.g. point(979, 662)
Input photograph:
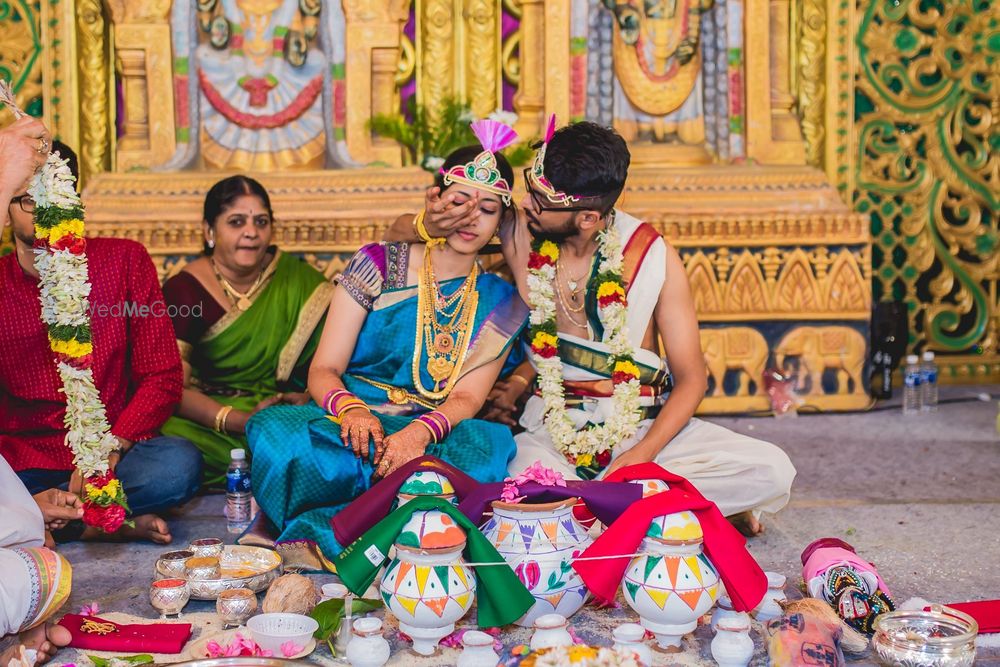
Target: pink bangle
point(337, 400)
point(437, 423)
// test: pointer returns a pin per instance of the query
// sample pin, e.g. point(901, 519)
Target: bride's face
point(472, 238)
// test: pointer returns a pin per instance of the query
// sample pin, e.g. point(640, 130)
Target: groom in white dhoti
point(605, 289)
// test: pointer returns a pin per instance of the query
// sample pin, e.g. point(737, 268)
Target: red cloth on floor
point(986, 613)
point(634, 473)
point(167, 638)
point(744, 579)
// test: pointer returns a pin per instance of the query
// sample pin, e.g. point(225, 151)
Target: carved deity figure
point(657, 61)
point(260, 84)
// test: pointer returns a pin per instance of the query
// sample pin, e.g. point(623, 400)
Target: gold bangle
point(220, 417)
point(515, 376)
point(418, 224)
point(223, 428)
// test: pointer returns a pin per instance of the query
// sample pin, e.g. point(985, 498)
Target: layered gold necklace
point(241, 300)
point(446, 344)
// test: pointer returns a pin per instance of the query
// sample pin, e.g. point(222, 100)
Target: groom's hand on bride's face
point(443, 214)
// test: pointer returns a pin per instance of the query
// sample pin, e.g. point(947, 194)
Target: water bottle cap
point(912, 358)
point(238, 454)
point(928, 356)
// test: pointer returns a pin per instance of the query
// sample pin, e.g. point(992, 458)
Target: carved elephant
point(735, 348)
point(819, 348)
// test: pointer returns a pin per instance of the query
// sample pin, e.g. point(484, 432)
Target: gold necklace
point(445, 355)
point(240, 299)
point(571, 282)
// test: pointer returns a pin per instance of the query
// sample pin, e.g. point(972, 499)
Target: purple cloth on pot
point(606, 500)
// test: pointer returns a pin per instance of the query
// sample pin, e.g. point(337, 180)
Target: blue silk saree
point(302, 472)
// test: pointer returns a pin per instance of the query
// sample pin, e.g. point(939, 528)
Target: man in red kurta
point(136, 367)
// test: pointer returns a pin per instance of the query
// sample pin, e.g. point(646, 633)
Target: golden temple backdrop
point(805, 156)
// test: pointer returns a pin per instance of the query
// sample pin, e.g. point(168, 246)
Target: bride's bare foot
point(46, 639)
point(746, 523)
point(147, 527)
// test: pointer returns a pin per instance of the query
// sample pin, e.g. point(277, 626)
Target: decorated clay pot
point(651, 487)
point(427, 585)
point(672, 584)
point(539, 541)
point(426, 483)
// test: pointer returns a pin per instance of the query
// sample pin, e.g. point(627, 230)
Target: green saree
point(247, 356)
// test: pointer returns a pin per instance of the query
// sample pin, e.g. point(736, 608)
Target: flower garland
point(590, 448)
point(64, 290)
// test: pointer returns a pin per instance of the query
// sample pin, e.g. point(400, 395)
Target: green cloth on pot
point(501, 598)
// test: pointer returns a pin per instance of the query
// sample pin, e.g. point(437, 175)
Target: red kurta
point(136, 365)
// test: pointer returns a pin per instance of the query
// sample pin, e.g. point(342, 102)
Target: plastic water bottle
point(928, 383)
point(912, 393)
point(239, 492)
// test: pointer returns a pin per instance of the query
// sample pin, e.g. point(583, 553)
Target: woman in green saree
point(247, 318)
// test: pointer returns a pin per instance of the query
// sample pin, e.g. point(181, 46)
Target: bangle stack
point(220, 418)
point(338, 401)
point(421, 230)
point(436, 423)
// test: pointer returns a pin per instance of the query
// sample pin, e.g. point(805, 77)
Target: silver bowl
point(941, 637)
point(242, 567)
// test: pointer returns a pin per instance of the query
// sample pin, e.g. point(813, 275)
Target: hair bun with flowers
point(482, 172)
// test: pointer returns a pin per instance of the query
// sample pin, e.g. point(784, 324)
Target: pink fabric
point(822, 559)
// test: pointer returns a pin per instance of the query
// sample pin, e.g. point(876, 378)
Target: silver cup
point(168, 596)
point(207, 546)
point(171, 564)
point(235, 606)
point(201, 568)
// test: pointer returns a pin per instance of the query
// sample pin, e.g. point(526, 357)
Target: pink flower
point(91, 609)
point(576, 637)
point(288, 649)
point(509, 493)
point(536, 472)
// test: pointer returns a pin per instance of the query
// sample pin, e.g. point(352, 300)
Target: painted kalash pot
point(427, 585)
point(672, 584)
point(426, 483)
point(539, 540)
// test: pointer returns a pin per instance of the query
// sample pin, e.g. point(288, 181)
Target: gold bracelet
point(220, 417)
point(418, 224)
point(223, 428)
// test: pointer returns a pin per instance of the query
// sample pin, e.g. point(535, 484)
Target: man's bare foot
point(46, 639)
point(147, 527)
point(746, 523)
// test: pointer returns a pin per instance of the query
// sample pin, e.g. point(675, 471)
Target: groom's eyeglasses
point(26, 203)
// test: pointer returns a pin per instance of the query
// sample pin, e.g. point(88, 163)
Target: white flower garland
point(64, 292)
point(584, 445)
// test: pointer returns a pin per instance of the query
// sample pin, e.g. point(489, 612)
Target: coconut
point(291, 593)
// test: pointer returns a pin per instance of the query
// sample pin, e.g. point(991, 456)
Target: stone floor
point(920, 497)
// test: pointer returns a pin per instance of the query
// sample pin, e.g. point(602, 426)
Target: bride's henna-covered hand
point(401, 448)
point(357, 428)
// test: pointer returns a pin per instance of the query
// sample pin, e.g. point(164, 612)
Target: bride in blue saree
point(415, 338)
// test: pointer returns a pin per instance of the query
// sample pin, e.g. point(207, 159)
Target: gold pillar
point(545, 72)
point(96, 118)
point(529, 101)
point(373, 31)
point(482, 80)
point(59, 73)
point(773, 134)
point(439, 53)
point(143, 57)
